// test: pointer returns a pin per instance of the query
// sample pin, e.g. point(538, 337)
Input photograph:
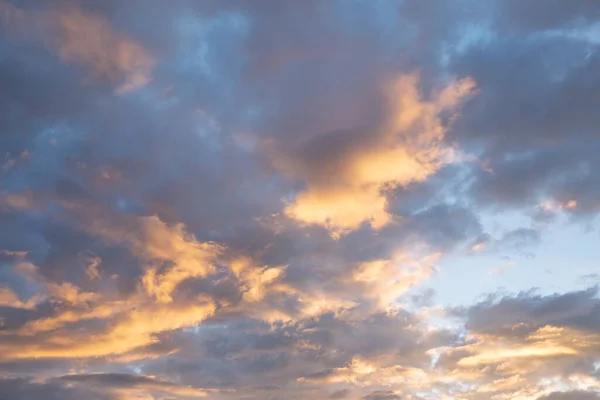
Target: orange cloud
point(135, 326)
point(156, 243)
point(19, 200)
point(387, 280)
point(406, 147)
point(525, 368)
point(546, 342)
point(363, 373)
point(136, 386)
point(130, 322)
point(8, 298)
point(551, 206)
point(60, 293)
point(91, 42)
point(86, 40)
point(93, 263)
point(255, 282)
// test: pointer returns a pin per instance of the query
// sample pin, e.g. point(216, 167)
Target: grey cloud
point(243, 355)
point(27, 389)
point(520, 241)
point(571, 396)
point(499, 316)
point(528, 149)
point(340, 394)
point(109, 379)
point(445, 225)
point(116, 380)
point(514, 15)
point(382, 395)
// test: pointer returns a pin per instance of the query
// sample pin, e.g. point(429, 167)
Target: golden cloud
point(387, 280)
point(170, 254)
point(405, 148)
point(8, 298)
point(255, 281)
point(134, 327)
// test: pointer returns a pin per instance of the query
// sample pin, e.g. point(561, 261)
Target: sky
point(299, 199)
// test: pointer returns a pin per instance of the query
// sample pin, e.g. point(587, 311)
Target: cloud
point(538, 348)
point(387, 280)
point(160, 243)
point(255, 281)
point(85, 40)
point(571, 395)
point(344, 188)
point(96, 386)
point(8, 298)
point(131, 329)
point(130, 322)
point(514, 342)
point(575, 309)
point(527, 144)
point(247, 200)
point(382, 395)
point(30, 389)
point(128, 385)
point(339, 394)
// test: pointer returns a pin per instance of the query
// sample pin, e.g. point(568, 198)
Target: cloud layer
point(293, 199)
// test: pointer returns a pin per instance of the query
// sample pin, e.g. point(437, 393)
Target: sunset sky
point(299, 199)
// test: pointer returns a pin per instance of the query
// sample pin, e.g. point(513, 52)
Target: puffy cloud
point(344, 186)
point(530, 312)
point(247, 200)
point(526, 144)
